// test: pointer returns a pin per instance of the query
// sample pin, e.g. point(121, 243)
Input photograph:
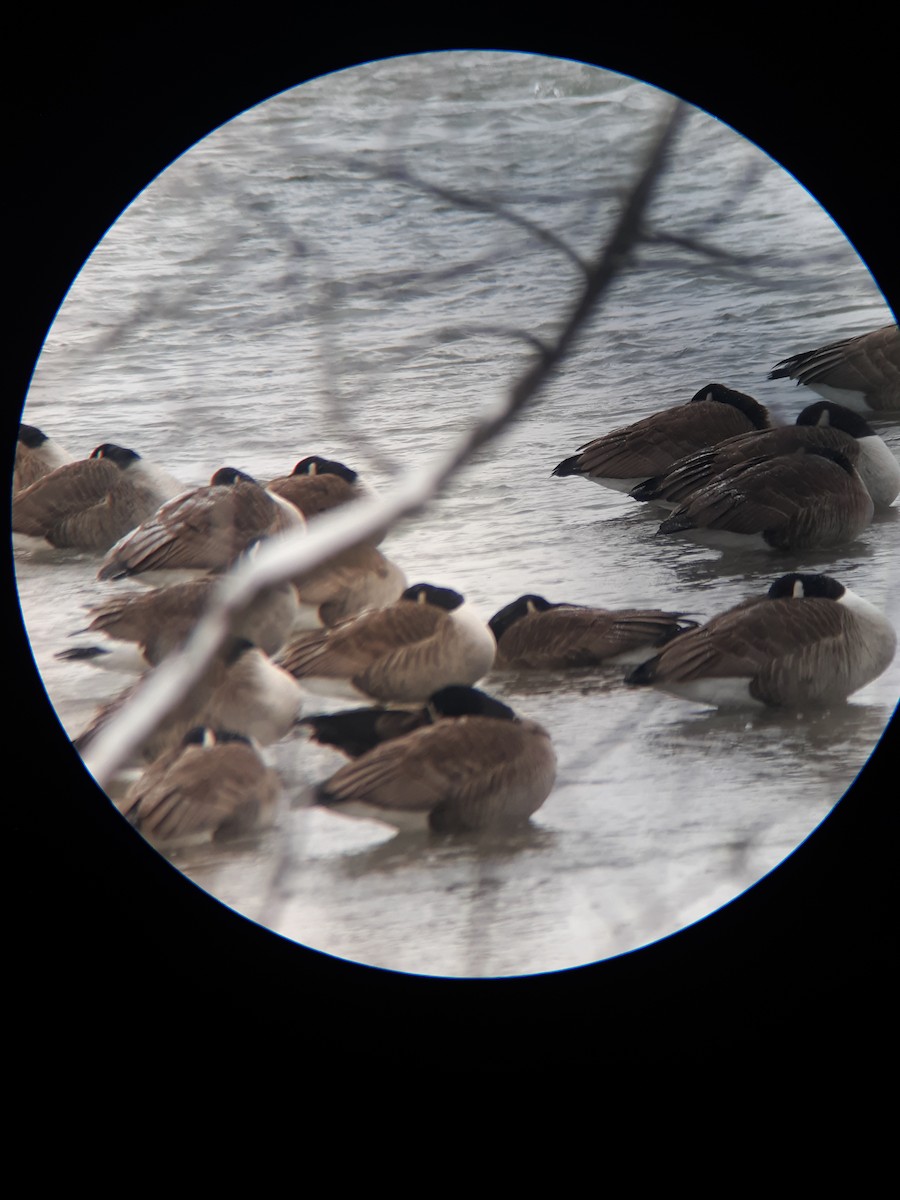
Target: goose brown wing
point(463, 760)
point(314, 494)
point(754, 639)
point(869, 363)
point(799, 495)
point(205, 529)
point(570, 636)
point(735, 501)
point(131, 616)
point(358, 578)
point(355, 645)
point(193, 790)
point(650, 446)
point(71, 505)
point(688, 475)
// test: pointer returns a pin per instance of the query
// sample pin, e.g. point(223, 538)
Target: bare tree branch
point(335, 532)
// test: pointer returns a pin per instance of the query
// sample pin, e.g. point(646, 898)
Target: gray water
point(281, 290)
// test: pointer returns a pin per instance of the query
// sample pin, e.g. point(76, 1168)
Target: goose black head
point(229, 476)
point(798, 586)
point(428, 593)
point(834, 456)
point(826, 412)
point(315, 465)
point(31, 436)
point(458, 701)
point(506, 617)
point(755, 413)
point(118, 454)
point(235, 648)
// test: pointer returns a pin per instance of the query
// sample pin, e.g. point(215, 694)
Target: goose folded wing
point(460, 760)
point(176, 797)
point(66, 495)
point(735, 500)
point(758, 636)
point(313, 494)
point(354, 645)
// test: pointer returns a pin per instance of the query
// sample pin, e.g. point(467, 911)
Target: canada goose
point(212, 785)
point(401, 654)
point(809, 641)
point(242, 691)
point(861, 372)
point(484, 769)
point(626, 456)
point(533, 633)
point(823, 424)
point(812, 499)
point(91, 503)
point(136, 630)
point(36, 455)
point(356, 731)
point(353, 581)
point(202, 530)
point(317, 485)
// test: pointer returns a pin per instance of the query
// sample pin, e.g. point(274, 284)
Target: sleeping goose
point(483, 769)
point(242, 691)
point(202, 530)
point(212, 785)
point(626, 456)
point(533, 633)
point(809, 641)
point(133, 631)
point(356, 731)
point(861, 372)
point(348, 584)
point(812, 499)
point(400, 654)
point(91, 503)
point(823, 424)
point(36, 455)
point(317, 485)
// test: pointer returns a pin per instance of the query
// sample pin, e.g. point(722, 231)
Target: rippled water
point(296, 284)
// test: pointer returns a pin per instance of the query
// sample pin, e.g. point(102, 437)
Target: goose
point(809, 500)
point(317, 485)
point(350, 583)
point(483, 769)
point(242, 691)
point(211, 786)
point(133, 631)
point(626, 456)
point(202, 530)
point(91, 503)
point(36, 455)
point(400, 654)
point(355, 731)
point(824, 424)
point(533, 633)
point(810, 640)
point(861, 372)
